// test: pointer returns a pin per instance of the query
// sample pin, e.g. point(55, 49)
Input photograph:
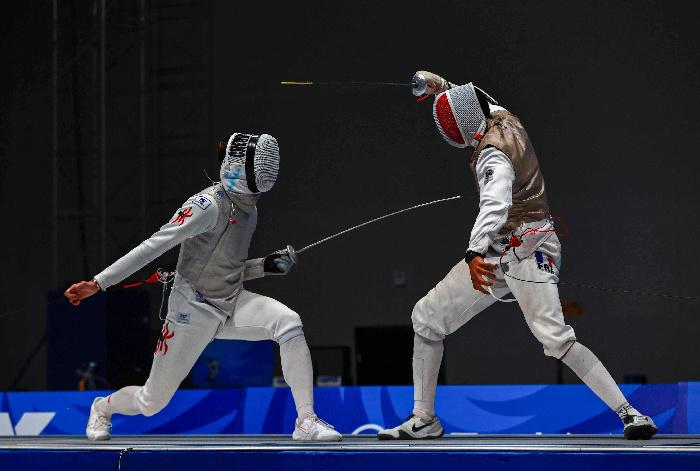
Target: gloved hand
point(478, 270)
point(279, 262)
point(428, 83)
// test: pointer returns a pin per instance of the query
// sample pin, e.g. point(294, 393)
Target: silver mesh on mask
point(265, 164)
point(458, 115)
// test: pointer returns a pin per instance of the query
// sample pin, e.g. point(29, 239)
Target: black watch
point(471, 255)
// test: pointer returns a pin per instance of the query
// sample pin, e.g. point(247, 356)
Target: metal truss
point(130, 83)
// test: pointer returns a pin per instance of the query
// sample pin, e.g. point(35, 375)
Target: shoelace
point(316, 419)
point(102, 421)
point(321, 421)
point(631, 419)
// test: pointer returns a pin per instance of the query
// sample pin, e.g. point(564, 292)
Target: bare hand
point(478, 269)
point(80, 291)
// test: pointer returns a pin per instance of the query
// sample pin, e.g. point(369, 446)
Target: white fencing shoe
point(414, 428)
point(99, 426)
point(315, 429)
point(639, 427)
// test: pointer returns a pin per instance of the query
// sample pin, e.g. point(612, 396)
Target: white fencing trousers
point(190, 325)
point(454, 302)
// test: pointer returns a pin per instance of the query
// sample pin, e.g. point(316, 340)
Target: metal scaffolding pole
point(79, 150)
point(54, 144)
point(103, 134)
point(143, 155)
point(144, 68)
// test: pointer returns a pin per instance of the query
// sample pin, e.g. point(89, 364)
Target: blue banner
point(525, 409)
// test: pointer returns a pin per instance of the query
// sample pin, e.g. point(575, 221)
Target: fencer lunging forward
point(513, 248)
point(208, 300)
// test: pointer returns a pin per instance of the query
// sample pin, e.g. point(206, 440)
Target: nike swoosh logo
point(418, 429)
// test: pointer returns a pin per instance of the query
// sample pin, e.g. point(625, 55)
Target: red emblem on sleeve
point(182, 215)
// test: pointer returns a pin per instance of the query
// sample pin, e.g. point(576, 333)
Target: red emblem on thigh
point(165, 335)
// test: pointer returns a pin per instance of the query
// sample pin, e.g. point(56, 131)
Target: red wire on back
point(516, 241)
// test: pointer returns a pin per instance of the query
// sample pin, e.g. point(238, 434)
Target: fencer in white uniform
point(513, 248)
point(208, 301)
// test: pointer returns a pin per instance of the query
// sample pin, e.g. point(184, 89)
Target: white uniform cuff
point(100, 282)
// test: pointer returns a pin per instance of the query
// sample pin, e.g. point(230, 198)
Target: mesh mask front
point(251, 163)
point(458, 116)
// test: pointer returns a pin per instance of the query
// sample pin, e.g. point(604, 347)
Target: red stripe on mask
point(446, 119)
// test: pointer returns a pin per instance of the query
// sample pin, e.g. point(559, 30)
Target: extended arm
point(190, 220)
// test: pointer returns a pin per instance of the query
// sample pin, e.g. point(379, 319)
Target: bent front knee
point(151, 405)
point(151, 408)
point(287, 327)
point(290, 334)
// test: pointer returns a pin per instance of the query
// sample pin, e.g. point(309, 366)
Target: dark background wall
point(608, 92)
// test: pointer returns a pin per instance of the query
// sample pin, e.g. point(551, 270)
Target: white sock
point(427, 357)
point(119, 402)
point(298, 373)
point(592, 372)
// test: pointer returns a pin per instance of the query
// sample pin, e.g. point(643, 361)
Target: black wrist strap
point(471, 255)
point(269, 265)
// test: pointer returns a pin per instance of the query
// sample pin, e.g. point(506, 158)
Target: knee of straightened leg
point(566, 348)
point(556, 348)
point(422, 324)
point(426, 332)
point(290, 334)
point(422, 344)
point(580, 359)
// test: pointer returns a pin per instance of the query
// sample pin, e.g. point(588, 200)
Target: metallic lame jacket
point(214, 262)
point(505, 132)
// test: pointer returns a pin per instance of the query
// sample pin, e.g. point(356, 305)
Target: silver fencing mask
point(251, 163)
point(460, 115)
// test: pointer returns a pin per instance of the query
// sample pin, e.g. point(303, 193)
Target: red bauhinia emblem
point(165, 335)
point(182, 215)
